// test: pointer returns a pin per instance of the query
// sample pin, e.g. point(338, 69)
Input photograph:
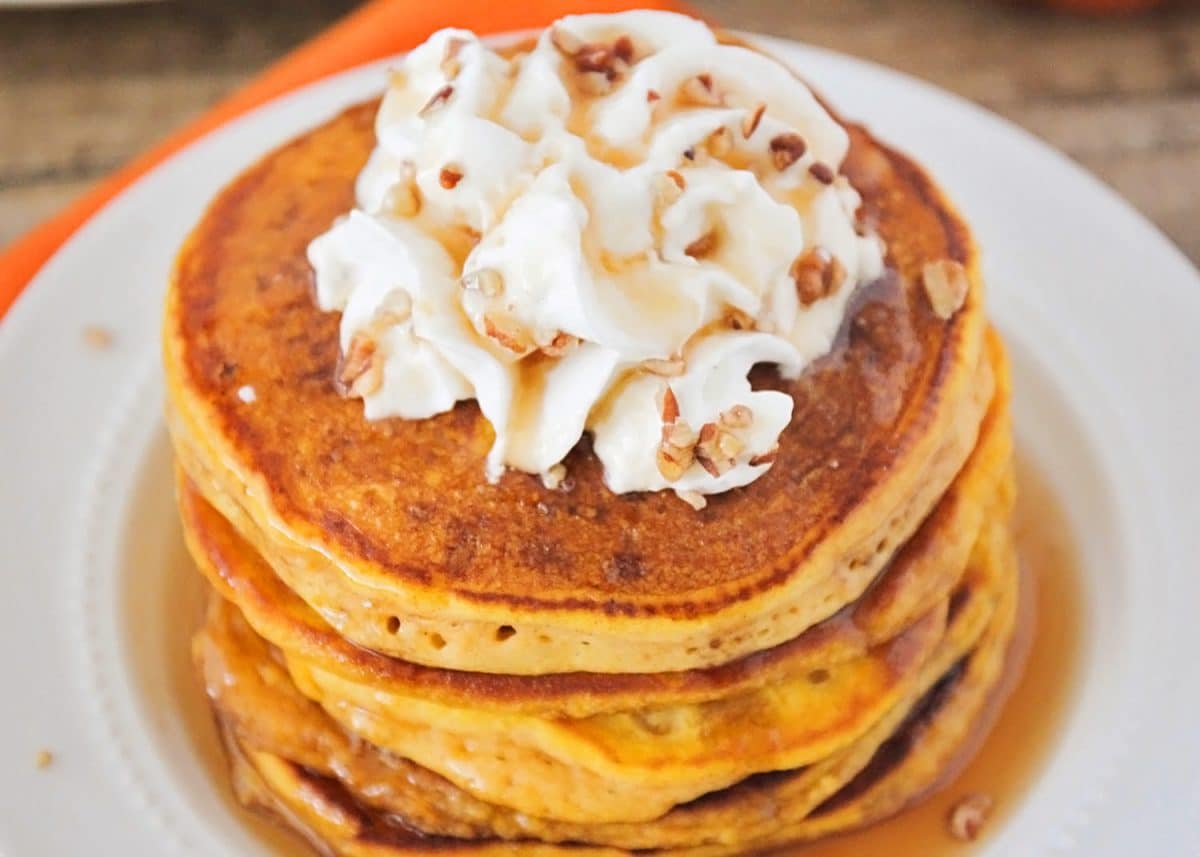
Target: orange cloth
point(377, 29)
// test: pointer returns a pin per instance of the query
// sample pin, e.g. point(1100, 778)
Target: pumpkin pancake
point(921, 572)
point(388, 530)
point(871, 778)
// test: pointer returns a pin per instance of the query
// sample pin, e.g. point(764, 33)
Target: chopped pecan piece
point(729, 445)
point(702, 246)
point(676, 447)
point(404, 197)
point(670, 407)
point(739, 320)
point(712, 449)
point(750, 120)
point(822, 172)
point(594, 57)
point(507, 333)
point(817, 274)
point(560, 344)
point(668, 187)
point(673, 461)
point(436, 100)
point(360, 373)
point(623, 49)
point(599, 65)
point(786, 149)
point(701, 91)
point(946, 285)
point(679, 434)
point(555, 476)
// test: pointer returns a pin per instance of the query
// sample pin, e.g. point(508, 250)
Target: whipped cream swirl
point(603, 234)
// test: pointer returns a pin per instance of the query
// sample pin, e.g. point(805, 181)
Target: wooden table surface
point(83, 90)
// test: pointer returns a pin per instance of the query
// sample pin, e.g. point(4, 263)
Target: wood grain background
point(83, 90)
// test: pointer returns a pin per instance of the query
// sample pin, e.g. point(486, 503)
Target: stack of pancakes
point(403, 657)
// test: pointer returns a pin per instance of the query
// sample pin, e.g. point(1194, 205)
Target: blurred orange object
point(1105, 7)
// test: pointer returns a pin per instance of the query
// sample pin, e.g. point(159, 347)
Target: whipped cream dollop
point(602, 234)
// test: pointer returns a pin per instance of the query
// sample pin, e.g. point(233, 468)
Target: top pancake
point(390, 529)
point(924, 570)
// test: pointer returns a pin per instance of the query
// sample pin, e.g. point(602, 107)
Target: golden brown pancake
point(388, 529)
point(870, 779)
point(921, 572)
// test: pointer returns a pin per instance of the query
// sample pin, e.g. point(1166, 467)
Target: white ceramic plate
point(1103, 318)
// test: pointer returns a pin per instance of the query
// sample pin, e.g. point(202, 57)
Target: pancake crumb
point(247, 394)
point(43, 759)
point(968, 817)
point(97, 337)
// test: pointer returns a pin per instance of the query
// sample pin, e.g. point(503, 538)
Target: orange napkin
point(377, 29)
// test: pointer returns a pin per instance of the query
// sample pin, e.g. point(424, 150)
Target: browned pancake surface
point(410, 495)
